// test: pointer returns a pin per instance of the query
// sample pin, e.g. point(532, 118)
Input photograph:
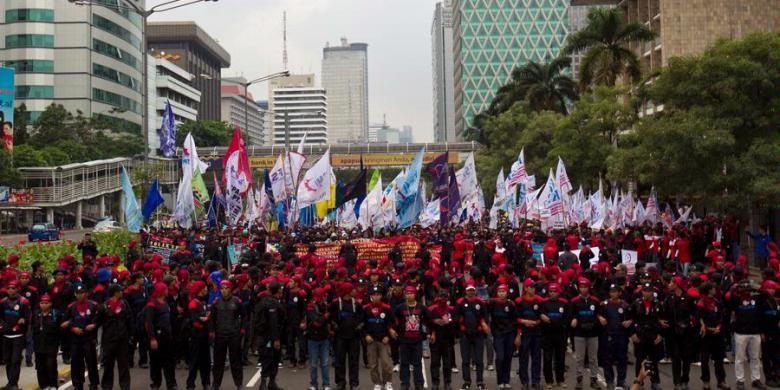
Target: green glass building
point(491, 38)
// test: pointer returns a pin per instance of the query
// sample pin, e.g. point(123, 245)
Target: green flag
point(374, 179)
point(200, 192)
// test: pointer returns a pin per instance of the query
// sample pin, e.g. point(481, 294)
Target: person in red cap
point(81, 322)
point(411, 321)
point(347, 315)
point(443, 334)
point(614, 318)
point(199, 349)
point(770, 309)
point(15, 315)
point(159, 332)
point(586, 330)
point(554, 313)
point(117, 322)
point(678, 311)
point(29, 292)
point(528, 318)
point(472, 318)
point(226, 326)
point(295, 302)
point(269, 322)
point(46, 340)
point(503, 326)
point(316, 327)
point(378, 322)
point(61, 292)
point(711, 315)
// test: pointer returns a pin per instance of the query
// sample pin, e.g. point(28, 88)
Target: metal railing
point(362, 148)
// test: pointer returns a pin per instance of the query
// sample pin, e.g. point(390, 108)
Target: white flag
point(277, 178)
point(563, 179)
point(431, 215)
point(467, 178)
point(315, 186)
point(185, 202)
point(517, 172)
point(190, 152)
point(500, 188)
point(252, 209)
point(371, 215)
point(639, 213)
point(651, 211)
point(346, 215)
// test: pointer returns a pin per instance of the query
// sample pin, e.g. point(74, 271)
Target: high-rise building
point(345, 80)
point(298, 108)
point(491, 38)
point(240, 110)
point(188, 46)
point(688, 27)
point(443, 74)
point(578, 20)
point(405, 136)
point(169, 83)
point(86, 58)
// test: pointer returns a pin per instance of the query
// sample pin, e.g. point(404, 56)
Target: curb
point(63, 373)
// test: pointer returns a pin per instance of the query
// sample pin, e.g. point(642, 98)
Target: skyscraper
point(242, 113)
point(86, 58)
point(443, 74)
point(298, 108)
point(491, 38)
point(345, 80)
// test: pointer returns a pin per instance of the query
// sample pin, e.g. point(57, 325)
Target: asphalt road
point(13, 239)
point(298, 379)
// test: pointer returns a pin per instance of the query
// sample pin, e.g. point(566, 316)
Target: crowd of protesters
point(488, 294)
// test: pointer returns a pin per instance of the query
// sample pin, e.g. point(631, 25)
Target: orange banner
point(385, 159)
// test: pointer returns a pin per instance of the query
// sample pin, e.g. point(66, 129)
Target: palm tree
point(605, 41)
point(546, 86)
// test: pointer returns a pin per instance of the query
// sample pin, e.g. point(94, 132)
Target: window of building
point(117, 30)
point(34, 91)
point(29, 15)
point(116, 76)
point(32, 66)
point(123, 10)
point(116, 53)
point(103, 121)
point(29, 40)
point(117, 100)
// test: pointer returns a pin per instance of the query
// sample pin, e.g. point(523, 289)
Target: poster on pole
point(629, 258)
point(7, 94)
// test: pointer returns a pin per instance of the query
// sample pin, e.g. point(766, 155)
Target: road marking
point(425, 377)
point(67, 385)
point(252, 382)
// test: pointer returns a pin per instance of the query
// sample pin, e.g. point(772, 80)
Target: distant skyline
point(397, 33)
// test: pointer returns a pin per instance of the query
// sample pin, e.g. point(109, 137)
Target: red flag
point(235, 164)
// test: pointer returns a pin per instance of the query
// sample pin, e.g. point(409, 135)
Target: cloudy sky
point(397, 32)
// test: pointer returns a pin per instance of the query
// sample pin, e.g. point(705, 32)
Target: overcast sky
point(397, 33)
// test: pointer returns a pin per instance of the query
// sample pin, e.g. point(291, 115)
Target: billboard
point(7, 93)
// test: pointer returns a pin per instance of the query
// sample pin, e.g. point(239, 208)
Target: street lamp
point(246, 84)
point(145, 14)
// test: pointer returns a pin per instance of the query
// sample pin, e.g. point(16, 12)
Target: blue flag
point(213, 210)
point(153, 200)
point(409, 211)
point(408, 187)
point(168, 132)
point(133, 216)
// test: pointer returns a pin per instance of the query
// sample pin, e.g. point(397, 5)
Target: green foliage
point(28, 156)
point(604, 42)
point(205, 133)
point(55, 156)
point(109, 243)
point(51, 126)
point(21, 136)
point(9, 176)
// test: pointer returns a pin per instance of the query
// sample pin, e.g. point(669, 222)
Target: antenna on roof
point(284, 37)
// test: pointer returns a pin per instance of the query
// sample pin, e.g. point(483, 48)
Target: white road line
point(67, 385)
point(425, 377)
point(252, 382)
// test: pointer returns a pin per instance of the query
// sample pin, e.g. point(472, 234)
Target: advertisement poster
point(7, 93)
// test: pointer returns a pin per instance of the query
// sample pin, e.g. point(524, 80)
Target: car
point(43, 232)
point(107, 225)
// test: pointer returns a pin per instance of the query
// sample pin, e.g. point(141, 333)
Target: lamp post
point(145, 14)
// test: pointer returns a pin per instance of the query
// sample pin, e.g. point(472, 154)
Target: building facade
point(299, 112)
point(188, 46)
point(578, 20)
point(443, 74)
point(345, 80)
point(491, 38)
point(240, 110)
point(169, 83)
point(688, 27)
point(405, 135)
point(86, 58)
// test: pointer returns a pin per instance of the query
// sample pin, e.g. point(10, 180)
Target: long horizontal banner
point(344, 160)
point(374, 249)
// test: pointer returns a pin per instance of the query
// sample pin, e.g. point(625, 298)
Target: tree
point(545, 85)
point(9, 176)
point(205, 133)
point(76, 151)
point(51, 126)
point(605, 41)
point(27, 156)
point(55, 156)
point(21, 136)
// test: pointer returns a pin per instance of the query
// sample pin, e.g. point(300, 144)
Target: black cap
point(398, 281)
point(113, 289)
point(274, 287)
point(376, 290)
point(59, 270)
point(615, 286)
point(647, 286)
point(79, 288)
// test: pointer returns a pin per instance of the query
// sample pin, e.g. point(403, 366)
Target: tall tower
point(493, 37)
point(345, 80)
point(284, 38)
point(443, 74)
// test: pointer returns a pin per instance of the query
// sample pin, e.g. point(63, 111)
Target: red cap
point(410, 290)
point(13, 258)
point(24, 274)
point(345, 289)
point(160, 289)
point(318, 293)
point(554, 287)
point(471, 285)
point(679, 281)
point(583, 282)
point(196, 287)
point(503, 287)
point(528, 282)
point(769, 284)
point(13, 283)
point(716, 244)
point(46, 297)
point(226, 283)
